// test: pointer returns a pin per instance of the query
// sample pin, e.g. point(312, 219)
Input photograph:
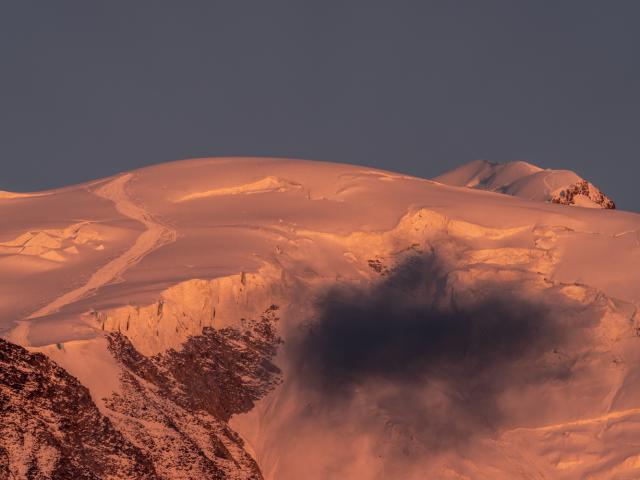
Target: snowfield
point(285, 319)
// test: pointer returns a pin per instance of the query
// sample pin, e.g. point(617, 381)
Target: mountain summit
point(525, 180)
point(277, 319)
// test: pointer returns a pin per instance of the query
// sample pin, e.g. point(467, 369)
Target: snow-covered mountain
point(285, 319)
point(522, 179)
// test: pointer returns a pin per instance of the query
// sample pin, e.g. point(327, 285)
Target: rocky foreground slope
point(51, 428)
point(168, 418)
point(281, 319)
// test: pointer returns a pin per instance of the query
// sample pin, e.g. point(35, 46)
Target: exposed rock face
point(169, 419)
point(51, 428)
point(583, 189)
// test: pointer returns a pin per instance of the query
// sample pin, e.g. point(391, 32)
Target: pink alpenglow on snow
point(522, 179)
point(250, 318)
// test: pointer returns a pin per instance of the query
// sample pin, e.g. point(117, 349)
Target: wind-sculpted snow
point(55, 245)
point(266, 185)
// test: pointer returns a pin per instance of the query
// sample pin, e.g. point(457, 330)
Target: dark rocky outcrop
point(190, 394)
point(568, 195)
point(51, 427)
point(168, 419)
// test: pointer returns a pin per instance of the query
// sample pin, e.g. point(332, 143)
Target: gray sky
point(91, 88)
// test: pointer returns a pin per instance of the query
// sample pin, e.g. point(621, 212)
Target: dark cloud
point(432, 366)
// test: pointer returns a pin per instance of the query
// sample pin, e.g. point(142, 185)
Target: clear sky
point(91, 88)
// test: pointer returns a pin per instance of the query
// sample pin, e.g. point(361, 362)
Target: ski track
point(155, 235)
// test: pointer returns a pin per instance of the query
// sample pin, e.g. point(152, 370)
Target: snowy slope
point(249, 318)
point(522, 179)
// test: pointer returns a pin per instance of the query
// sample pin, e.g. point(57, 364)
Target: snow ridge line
point(156, 235)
